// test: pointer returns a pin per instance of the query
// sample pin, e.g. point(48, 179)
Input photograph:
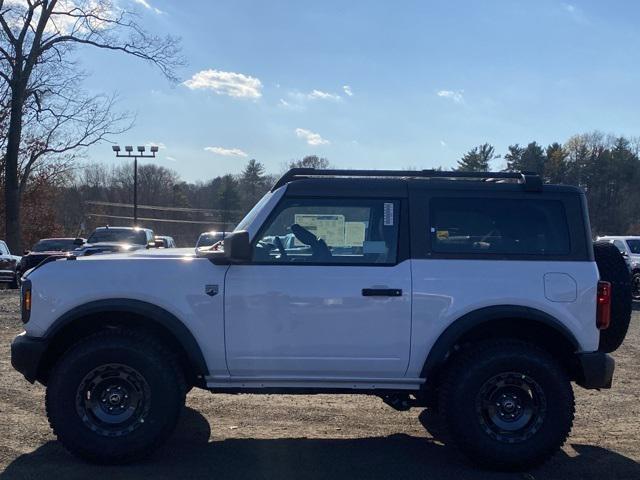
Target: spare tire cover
point(613, 269)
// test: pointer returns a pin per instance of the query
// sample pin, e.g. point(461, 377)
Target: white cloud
point(226, 83)
point(226, 152)
point(148, 6)
point(443, 143)
point(160, 145)
point(347, 90)
point(576, 13)
point(171, 159)
point(319, 94)
point(456, 96)
point(311, 138)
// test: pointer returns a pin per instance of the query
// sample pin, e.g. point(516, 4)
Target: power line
point(158, 207)
point(120, 217)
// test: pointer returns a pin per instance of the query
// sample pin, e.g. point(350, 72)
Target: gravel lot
point(251, 436)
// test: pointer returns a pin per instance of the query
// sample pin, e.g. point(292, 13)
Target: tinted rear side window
point(500, 226)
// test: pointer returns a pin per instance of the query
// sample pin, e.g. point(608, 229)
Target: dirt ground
point(286, 437)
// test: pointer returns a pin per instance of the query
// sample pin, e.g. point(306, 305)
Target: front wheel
point(114, 397)
point(507, 404)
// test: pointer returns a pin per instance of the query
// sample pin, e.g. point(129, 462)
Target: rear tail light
point(25, 301)
point(603, 308)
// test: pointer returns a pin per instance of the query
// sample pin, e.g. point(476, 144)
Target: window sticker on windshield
point(329, 228)
point(388, 214)
point(442, 234)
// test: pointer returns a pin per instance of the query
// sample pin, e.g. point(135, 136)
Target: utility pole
point(131, 154)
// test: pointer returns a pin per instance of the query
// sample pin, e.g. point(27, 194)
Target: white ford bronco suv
point(479, 295)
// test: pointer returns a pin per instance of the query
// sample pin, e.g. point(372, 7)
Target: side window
point(336, 231)
point(620, 245)
point(499, 226)
point(634, 246)
point(4, 250)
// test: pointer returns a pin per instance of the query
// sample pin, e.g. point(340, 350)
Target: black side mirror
point(237, 247)
point(25, 252)
point(78, 241)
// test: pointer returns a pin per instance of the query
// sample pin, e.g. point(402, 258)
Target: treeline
point(605, 166)
point(98, 195)
point(72, 202)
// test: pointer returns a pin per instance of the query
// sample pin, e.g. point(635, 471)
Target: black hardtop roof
point(389, 183)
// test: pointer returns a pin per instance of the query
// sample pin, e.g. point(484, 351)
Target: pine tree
point(477, 159)
point(529, 159)
point(253, 182)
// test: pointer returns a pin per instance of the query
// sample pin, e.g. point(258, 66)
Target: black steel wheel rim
point(113, 400)
point(511, 407)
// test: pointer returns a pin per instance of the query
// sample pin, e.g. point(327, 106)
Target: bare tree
point(42, 83)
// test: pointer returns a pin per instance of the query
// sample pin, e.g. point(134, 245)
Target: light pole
point(130, 154)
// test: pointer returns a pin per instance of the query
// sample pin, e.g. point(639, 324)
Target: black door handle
point(381, 292)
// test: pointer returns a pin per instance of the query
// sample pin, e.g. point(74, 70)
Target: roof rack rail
point(530, 181)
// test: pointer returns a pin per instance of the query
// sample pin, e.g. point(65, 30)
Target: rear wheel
point(114, 397)
point(507, 404)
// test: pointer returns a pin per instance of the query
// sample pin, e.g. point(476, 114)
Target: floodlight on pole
point(130, 154)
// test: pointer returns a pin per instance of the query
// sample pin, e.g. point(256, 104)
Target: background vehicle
point(117, 239)
point(207, 239)
point(481, 300)
point(45, 248)
point(630, 248)
point(163, 241)
point(8, 266)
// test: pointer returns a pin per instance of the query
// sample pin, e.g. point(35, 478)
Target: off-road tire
point(613, 269)
point(462, 390)
point(162, 399)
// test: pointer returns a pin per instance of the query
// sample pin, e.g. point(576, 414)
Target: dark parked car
point(8, 265)
point(45, 248)
point(117, 240)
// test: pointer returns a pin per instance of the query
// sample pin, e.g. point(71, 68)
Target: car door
point(327, 294)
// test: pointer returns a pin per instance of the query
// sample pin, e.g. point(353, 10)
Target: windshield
point(634, 246)
point(118, 235)
point(249, 217)
point(54, 245)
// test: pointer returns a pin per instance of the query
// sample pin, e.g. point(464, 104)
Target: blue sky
point(369, 84)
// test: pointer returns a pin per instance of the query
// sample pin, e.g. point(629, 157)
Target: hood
point(161, 253)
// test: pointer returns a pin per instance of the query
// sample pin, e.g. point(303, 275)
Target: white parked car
point(479, 299)
point(630, 248)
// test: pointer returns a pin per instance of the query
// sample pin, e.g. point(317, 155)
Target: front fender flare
point(152, 312)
